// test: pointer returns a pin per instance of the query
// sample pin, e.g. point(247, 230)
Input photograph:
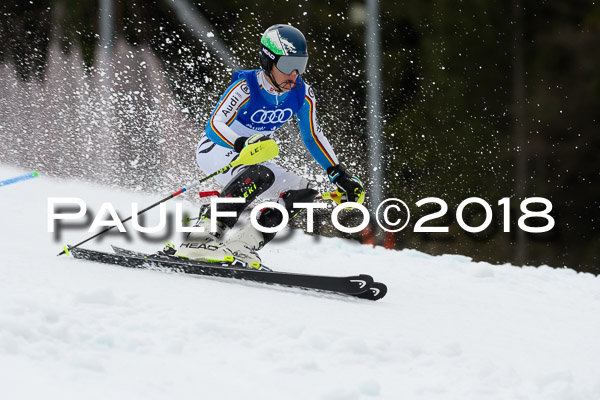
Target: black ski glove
point(348, 185)
point(242, 141)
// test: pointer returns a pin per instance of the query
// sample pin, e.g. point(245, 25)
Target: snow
point(449, 328)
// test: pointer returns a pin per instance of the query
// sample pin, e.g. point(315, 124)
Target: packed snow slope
point(449, 328)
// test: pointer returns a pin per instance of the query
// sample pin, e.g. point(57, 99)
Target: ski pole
point(250, 155)
point(19, 178)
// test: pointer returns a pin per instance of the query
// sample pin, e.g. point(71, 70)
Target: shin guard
point(248, 184)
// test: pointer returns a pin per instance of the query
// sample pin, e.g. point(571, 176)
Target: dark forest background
point(481, 98)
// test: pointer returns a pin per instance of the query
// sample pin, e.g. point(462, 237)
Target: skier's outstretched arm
point(312, 134)
point(317, 144)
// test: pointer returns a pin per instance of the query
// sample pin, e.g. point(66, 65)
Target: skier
point(254, 106)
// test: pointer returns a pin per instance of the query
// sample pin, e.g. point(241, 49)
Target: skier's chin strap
point(274, 82)
point(278, 87)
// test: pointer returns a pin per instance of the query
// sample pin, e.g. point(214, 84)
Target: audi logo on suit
point(272, 116)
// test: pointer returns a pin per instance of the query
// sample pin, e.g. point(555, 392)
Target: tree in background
point(449, 86)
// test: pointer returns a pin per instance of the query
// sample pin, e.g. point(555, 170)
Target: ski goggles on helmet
point(287, 64)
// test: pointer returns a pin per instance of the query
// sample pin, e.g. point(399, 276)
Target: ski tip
point(35, 174)
point(367, 278)
point(360, 283)
point(376, 291)
point(379, 290)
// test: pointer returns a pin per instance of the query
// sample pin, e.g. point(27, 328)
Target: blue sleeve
point(312, 134)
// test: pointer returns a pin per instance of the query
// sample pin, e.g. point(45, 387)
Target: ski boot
point(205, 246)
point(243, 245)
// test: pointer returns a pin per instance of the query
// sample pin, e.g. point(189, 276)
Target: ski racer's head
point(283, 56)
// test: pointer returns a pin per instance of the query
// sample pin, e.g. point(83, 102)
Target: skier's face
point(285, 81)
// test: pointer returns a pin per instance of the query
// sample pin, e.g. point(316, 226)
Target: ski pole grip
point(257, 153)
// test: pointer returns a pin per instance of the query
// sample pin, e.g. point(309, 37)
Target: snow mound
point(449, 327)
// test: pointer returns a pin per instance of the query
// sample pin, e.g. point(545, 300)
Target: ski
point(348, 285)
point(376, 291)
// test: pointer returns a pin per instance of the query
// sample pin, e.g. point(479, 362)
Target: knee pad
point(272, 217)
point(297, 196)
point(249, 183)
